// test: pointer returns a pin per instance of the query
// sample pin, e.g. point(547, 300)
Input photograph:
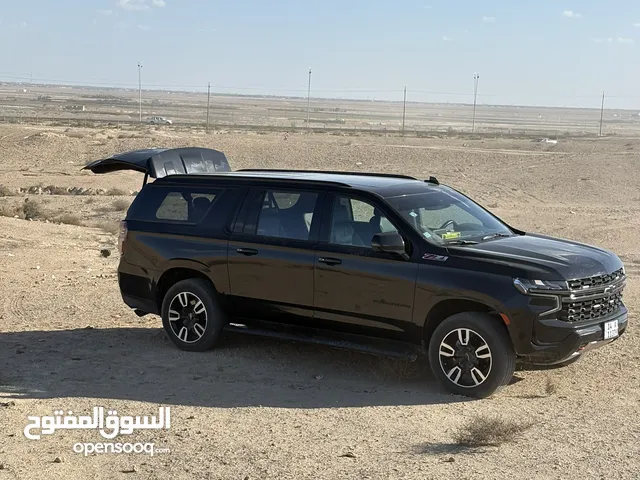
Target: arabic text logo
point(109, 426)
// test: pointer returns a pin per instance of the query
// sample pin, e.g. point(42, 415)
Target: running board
point(359, 343)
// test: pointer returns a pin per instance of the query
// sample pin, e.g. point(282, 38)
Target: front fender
point(436, 284)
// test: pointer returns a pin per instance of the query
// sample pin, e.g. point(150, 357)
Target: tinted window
point(173, 207)
point(172, 204)
point(286, 214)
point(354, 222)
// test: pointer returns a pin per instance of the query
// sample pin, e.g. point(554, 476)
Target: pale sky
point(544, 52)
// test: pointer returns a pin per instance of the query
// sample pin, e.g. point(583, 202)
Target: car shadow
point(141, 364)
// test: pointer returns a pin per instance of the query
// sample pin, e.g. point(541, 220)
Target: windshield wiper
point(461, 242)
point(495, 235)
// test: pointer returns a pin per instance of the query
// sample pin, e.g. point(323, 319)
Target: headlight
point(527, 286)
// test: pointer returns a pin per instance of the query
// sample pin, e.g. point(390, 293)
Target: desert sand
point(268, 409)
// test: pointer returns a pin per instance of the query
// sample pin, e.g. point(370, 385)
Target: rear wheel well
point(443, 310)
point(173, 276)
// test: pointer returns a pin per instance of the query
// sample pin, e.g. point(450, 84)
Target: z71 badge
point(435, 258)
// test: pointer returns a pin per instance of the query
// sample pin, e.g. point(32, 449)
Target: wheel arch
point(451, 306)
point(177, 271)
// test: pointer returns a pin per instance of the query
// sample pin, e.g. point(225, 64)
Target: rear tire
point(191, 316)
point(471, 354)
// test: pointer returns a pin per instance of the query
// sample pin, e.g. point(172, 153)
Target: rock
point(450, 460)
point(89, 327)
point(133, 469)
point(318, 377)
point(58, 460)
point(7, 404)
point(348, 455)
point(105, 252)
point(2, 466)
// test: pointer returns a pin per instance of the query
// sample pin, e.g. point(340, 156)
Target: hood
point(544, 258)
point(160, 162)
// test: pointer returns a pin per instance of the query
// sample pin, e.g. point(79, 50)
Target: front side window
point(447, 217)
point(286, 214)
point(355, 222)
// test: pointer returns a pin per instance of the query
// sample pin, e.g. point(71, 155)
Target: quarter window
point(176, 205)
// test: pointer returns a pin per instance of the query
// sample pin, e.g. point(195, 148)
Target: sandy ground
point(262, 408)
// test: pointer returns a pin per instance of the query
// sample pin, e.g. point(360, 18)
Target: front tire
point(191, 316)
point(471, 354)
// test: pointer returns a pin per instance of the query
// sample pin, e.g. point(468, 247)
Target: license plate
point(611, 329)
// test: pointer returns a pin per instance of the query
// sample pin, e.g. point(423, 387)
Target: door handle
point(330, 260)
point(247, 251)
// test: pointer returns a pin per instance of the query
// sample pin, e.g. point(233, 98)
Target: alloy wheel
point(187, 317)
point(465, 357)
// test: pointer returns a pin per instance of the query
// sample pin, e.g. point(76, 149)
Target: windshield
point(446, 217)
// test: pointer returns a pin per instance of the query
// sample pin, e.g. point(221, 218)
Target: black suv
point(381, 263)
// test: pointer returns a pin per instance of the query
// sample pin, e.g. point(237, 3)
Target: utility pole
point(140, 90)
point(404, 108)
point(208, 98)
point(309, 101)
point(476, 77)
point(601, 113)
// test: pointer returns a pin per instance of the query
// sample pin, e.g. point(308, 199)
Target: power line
point(27, 78)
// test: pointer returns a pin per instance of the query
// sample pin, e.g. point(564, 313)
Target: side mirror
point(389, 242)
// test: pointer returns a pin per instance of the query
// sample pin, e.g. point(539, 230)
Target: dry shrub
point(116, 192)
point(109, 227)
point(5, 191)
point(484, 431)
point(120, 205)
point(32, 210)
point(69, 219)
point(550, 387)
point(10, 210)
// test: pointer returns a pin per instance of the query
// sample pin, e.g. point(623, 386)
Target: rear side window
point(172, 204)
point(282, 214)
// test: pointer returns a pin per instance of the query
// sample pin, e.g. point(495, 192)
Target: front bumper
point(573, 339)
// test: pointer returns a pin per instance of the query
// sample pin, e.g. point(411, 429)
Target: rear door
point(357, 289)
point(270, 254)
point(159, 162)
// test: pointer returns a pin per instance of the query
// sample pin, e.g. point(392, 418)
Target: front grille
point(595, 281)
point(592, 297)
point(590, 309)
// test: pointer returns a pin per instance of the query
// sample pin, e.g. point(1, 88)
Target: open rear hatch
point(160, 162)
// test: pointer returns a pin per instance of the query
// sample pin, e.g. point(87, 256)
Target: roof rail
point(329, 172)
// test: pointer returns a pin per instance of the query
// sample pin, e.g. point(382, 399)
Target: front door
point(271, 257)
point(357, 289)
